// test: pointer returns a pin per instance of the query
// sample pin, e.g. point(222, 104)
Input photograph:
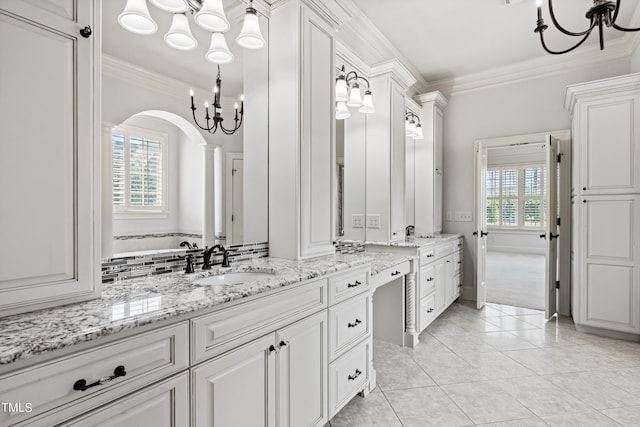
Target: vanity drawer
point(427, 255)
point(427, 311)
point(388, 274)
point(223, 330)
point(348, 324)
point(457, 263)
point(427, 280)
point(348, 284)
point(347, 376)
point(146, 358)
point(446, 249)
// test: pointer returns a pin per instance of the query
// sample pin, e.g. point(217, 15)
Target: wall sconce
point(348, 94)
point(412, 128)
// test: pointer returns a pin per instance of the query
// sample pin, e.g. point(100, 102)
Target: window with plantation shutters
point(138, 170)
point(516, 196)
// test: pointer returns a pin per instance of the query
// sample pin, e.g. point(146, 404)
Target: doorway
point(234, 198)
point(517, 228)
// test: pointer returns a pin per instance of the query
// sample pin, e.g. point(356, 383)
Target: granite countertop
point(143, 301)
point(412, 242)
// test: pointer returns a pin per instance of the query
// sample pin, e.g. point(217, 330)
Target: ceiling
point(152, 53)
point(445, 40)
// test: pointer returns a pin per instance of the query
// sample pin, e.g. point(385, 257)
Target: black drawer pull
point(284, 344)
point(430, 279)
point(272, 348)
point(395, 273)
point(81, 385)
point(459, 245)
point(354, 376)
point(356, 283)
point(354, 324)
point(430, 310)
point(430, 255)
point(459, 286)
point(459, 262)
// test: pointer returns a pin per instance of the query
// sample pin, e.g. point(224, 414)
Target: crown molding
point(122, 70)
point(351, 60)
point(575, 92)
point(436, 97)
point(536, 68)
point(333, 11)
point(396, 69)
point(412, 105)
point(374, 45)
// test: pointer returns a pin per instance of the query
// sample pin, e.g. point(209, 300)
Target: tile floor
point(501, 366)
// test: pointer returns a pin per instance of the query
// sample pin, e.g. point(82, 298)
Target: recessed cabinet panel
point(609, 152)
point(611, 224)
point(63, 8)
point(611, 297)
point(36, 162)
point(397, 163)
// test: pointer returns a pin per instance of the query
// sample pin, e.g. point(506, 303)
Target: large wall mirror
point(167, 181)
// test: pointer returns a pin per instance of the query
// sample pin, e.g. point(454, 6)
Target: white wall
point(635, 57)
point(524, 107)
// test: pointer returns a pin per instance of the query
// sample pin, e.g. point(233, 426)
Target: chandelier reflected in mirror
point(603, 13)
point(207, 14)
point(412, 126)
point(214, 123)
point(349, 94)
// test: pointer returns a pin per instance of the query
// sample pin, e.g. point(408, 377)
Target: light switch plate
point(373, 221)
point(449, 216)
point(357, 221)
point(463, 216)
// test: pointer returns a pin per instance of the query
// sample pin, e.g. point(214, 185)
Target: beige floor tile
point(503, 341)
point(400, 372)
point(486, 402)
point(496, 365)
point(542, 397)
point(373, 410)
point(584, 419)
point(427, 406)
point(594, 390)
point(510, 323)
point(527, 422)
point(629, 416)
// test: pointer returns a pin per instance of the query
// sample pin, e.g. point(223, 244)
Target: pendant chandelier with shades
point(207, 14)
point(602, 13)
point(412, 126)
point(349, 95)
point(213, 123)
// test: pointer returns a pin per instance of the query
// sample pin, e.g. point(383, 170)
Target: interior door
point(237, 220)
point(481, 225)
point(551, 262)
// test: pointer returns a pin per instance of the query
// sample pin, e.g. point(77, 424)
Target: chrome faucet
point(206, 255)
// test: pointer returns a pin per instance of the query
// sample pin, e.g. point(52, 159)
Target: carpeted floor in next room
point(516, 279)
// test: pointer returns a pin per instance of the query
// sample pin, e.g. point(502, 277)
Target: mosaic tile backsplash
point(128, 267)
point(349, 246)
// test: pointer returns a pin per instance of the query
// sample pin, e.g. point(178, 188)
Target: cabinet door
point(450, 286)
point(302, 372)
point(609, 157)
point(48, 156)
point(609, 284)
point(441, 285)
point(238, 388)
point(165, 404)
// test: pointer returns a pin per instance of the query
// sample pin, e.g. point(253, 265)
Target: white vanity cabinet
point(49, 124)
point(605, 237)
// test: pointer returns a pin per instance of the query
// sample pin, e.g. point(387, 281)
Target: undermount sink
point(233, 278)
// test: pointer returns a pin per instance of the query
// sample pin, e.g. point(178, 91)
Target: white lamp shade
point(179, 35)
point(407, 130)
point(342, 112)
point(342, 94)
point(250, 36)
point(412, 129)
point(137, 19)
point(218, 50)
point(172, 6)
point(418, 134)
point(367, 104)
point(212, 18)
point(355, 97)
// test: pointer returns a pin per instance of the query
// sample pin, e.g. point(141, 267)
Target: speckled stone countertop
point(413, 242)
point(143, 301)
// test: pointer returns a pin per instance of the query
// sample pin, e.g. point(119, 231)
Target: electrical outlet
point(373, 221)
point(449, 216)
point(463, 216)
point(357, 221)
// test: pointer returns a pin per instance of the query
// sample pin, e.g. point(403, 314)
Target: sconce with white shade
point(349, 94)
point(413, 128)
point(208, 14)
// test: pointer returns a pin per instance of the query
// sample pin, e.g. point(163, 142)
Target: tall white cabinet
point(49, 159)
point(606, 205)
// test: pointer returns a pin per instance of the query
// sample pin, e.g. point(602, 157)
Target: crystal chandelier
point(208, 14)
point(412, 128)
point(214, 123)
point(603, 12)
point(348, 94)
